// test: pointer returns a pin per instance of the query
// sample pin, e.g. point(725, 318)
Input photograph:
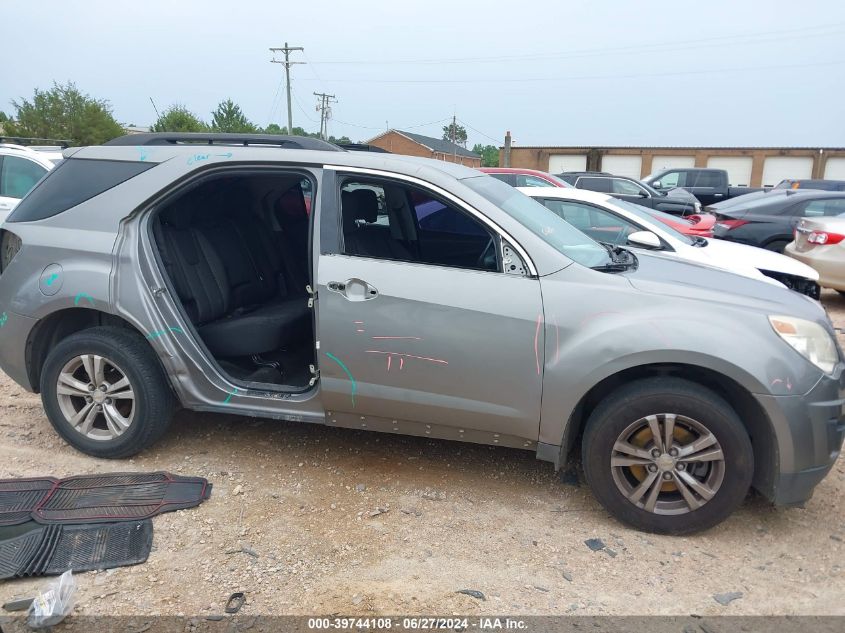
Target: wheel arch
point(56, 327)
point(750, 412)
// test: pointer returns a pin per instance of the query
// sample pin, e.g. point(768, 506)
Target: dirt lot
point(330, 520)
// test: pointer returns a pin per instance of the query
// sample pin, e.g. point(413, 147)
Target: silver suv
point(282, 277)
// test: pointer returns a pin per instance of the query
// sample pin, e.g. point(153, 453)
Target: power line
point(742, 39)
point(287, 51)
point(476, 80)
point(479, 131)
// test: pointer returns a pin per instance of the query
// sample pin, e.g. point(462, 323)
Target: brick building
point(750, 166)
point(409, 144)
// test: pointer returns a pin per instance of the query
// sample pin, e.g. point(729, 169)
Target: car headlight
point(809, 339)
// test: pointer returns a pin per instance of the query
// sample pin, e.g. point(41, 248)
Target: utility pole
point(454, 138)
point(325, 112)
point(506, 154)
point(287, 50)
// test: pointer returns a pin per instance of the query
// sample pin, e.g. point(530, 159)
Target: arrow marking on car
point(83, 295)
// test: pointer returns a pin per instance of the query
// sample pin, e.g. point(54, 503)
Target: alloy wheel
point(667, 464)
point(95, 397)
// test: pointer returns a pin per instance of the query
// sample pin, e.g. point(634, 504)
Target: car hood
point(721, 252)
point(661, 275)
point(681, 195)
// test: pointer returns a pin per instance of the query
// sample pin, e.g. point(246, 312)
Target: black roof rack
point(220, 138)
point(33, 140)
point(362, 147)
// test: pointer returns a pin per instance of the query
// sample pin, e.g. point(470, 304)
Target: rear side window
point(595, 184)
point(18, 176)
point(72, 182)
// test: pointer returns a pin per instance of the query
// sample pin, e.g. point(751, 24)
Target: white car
point(20, 169)
point(610, 220)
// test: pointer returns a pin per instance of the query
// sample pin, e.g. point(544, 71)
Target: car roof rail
point(222, 138)
point(362, 147)
point(30, 140)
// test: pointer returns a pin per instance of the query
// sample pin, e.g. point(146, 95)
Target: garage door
point(628, 166)
point(777, 168)
point(667, 162)
point(834, 169)
point(567, 162)
point(738, 168)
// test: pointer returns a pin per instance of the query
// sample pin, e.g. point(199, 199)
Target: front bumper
point(809, 431)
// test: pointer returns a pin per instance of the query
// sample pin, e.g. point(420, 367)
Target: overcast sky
point(600, 72)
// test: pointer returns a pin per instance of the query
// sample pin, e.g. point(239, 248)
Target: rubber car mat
point(98, 498)
point(47, 550)
point(20, 497)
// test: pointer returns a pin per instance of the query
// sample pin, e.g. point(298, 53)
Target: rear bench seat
point(231, 293)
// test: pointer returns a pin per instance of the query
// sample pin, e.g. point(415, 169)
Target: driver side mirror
point(642, 194)
point(645, 239)
point(657, 184)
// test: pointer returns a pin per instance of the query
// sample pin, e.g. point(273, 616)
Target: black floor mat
point(46, 550)
point(98, 498)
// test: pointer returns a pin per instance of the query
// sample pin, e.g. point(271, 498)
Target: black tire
point(154, 403)
point(777, 246)
point(652, 396)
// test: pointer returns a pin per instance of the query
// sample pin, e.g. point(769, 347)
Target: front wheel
point(777, 246)
point(105, 392)
point(667, 455)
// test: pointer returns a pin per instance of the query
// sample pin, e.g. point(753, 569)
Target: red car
point(701, 224)
point(518, 177)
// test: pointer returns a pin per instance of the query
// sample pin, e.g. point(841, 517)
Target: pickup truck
point(708, 185)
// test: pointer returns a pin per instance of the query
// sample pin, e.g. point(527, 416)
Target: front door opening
point(235, 248)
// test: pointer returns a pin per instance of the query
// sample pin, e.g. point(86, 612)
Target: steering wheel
point(488, 252)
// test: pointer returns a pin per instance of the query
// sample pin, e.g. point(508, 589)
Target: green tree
point(230, 118)
point(460, 133)
point(274, 128)
point(489, 154)
point(63, 112)
point(177, 118)
point(3, 116)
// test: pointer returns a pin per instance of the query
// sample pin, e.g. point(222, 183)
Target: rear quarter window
point(72, 182)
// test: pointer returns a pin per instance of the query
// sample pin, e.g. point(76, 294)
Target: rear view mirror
point(645, 239)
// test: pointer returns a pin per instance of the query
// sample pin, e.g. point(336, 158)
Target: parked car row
point(418, 297)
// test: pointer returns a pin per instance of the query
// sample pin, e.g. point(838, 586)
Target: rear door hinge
point(315, 375)
point(158, 290)
point(312, 295)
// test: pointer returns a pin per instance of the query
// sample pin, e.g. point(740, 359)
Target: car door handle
point(353, 289)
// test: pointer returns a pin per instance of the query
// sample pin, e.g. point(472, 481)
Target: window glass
point(508, 178)
point(18, 176)
point(72, 182)
point(626, 187)
point(542, 222)
point(705, 178)
point(600, 224)
point(391, 220)
point(523, 180)
point(590, 183)
point(672, 179)
point(578, 215)
point(816, 208)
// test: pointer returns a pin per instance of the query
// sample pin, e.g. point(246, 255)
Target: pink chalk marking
point(401, 363)
point(359, 330)
point(776, 381)
point(788, 383)
point(358, 322)
point(433, 360)
point(596, 316)
point(389, 358)
point(536, 340)
point(397, 338)
point(557, 341)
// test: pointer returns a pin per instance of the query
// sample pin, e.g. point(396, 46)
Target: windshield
point(650, 215)
point(545, 224)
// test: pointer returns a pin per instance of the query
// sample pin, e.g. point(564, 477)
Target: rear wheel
point(666, 455)
point(777, 246)
point(105, 392)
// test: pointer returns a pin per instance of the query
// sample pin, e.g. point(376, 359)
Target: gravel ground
point(309, 520)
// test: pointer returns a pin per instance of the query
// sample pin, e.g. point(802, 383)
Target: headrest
point(291, 205)
point(178, 214)
point(361, 204)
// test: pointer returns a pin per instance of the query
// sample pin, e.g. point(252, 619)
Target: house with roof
point(410, 144)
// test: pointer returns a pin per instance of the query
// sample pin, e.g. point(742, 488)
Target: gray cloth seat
point(237, 310)
point(361, 234)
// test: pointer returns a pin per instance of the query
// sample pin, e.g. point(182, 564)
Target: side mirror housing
point(657, 184)
point(644, 239)
point(642, 194)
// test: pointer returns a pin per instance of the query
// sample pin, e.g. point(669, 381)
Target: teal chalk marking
point(154, 335)
point(3, 318)
point(226, 155)
point(49, 281)
point(348, 373)
point(83, 295)
point(229, 397)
